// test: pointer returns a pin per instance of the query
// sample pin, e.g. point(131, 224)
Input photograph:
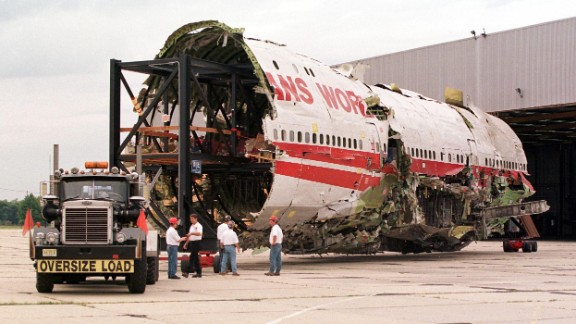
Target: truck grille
point(85, 225)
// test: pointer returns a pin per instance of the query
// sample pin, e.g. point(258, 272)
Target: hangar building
point(525, 76)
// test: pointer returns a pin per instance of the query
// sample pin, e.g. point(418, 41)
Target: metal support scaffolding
point(195, 86)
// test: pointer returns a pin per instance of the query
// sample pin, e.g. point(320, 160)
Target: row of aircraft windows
point(505, 164)
point(308, 71)
point(322, 139)
point(459, 158)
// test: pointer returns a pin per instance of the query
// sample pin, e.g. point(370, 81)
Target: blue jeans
point(276, 258)
point(172, 260)
point(229, 252)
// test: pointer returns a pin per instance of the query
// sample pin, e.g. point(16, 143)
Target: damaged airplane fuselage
point(346, 167)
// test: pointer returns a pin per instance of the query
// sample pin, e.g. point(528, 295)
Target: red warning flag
point(141, 222)
point(28, 222)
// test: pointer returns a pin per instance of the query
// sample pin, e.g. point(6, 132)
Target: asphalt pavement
point(480, 284)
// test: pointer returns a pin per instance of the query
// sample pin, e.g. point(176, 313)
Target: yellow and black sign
point(85, 266)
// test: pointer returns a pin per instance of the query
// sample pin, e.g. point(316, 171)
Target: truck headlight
point(52, 237)
point(39, 238)
point(120, 237)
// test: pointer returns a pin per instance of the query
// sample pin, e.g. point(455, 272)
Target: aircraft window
point(412, 150)
point(291, 136)
point(295, 68)
point(306, 69)
point(312, 72)
point(449, 157)
point(327, 139)
point(421, 153)
point(350, 143)
point(355, 144)
point(299, 137)
point(314, 138)
point(343, 141)
point(339, 141)
point(384, 147)
point(441, 156)
point(360, 144)
point(321, 138)
point(425, 154)
point(434, 154)
point(275, 65)
point(283, 134)
point(333, 140)
point(307, 137)
point(430, 154)
point(485, 161)
point(275, 134)
point(377, 146)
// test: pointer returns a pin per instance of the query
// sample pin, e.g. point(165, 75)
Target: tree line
point(13, 212)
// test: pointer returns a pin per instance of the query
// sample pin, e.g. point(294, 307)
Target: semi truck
point(95, 226)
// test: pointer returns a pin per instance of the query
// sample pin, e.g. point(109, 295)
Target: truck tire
point(137, 281)
point(44, 283)
point(152, 274)
point(534, 246)
point(184, 265)
point(526, 246)
point(506, 246)
point(216, 263)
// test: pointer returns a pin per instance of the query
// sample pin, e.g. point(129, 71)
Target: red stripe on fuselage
point(358, 159)
point(329, 176)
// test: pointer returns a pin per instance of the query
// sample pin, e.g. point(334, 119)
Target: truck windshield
point(95, 188)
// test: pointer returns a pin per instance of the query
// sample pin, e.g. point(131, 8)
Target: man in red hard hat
point(276, 237)
point(172, 242)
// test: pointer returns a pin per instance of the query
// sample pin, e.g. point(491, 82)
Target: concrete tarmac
point(480, 284)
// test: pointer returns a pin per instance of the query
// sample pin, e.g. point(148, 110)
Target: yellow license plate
point(49, 252)
point(85, 266)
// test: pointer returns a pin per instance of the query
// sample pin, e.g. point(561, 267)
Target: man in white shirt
point(172, 242)
point(219, 231)
point(230, 245)
point(276, 237)
point(193, 243)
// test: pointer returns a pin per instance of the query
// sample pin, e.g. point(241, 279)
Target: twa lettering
point(287, 88)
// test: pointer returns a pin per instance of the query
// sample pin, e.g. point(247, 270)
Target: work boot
point(198, 275)
point(269, 273)
point(235, 274)
point(276, 274)
point(185, 274)
point(174, 277)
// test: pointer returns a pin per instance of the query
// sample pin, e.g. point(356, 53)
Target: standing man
point(194, 240)
point(276, 237)
point(228, 243)
point(219, 231)
point(172, 242)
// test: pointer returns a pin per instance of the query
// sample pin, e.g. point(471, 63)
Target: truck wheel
point(44, 283)
point(506, 246)
point(534, 246)
point(152, 271)
point(137, 281)
point(216, 263)
point(526, 246)
point(184, 265)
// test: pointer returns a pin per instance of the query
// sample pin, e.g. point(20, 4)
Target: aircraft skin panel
point(353, 166)
point(308, 202)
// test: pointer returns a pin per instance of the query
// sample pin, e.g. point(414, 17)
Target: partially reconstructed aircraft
point(346, 167)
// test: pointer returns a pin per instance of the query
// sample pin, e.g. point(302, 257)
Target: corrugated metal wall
point(539, 60)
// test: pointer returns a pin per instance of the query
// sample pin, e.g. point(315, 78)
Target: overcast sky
point(55, 56)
